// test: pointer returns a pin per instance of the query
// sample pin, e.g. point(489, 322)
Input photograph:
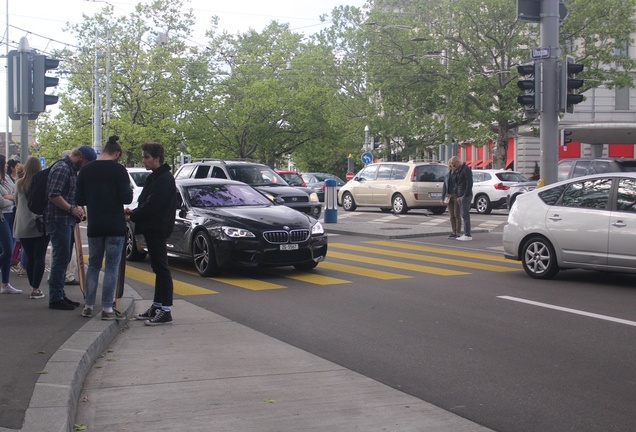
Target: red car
point(291, 177)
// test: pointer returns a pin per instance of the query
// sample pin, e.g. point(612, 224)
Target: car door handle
point(619, 224)
point(555, 218)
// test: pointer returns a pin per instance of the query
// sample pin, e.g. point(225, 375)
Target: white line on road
point(574, 311)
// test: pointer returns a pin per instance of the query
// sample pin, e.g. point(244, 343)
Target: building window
point(621, 98)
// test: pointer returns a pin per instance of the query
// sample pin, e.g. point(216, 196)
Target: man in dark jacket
point(154, 218)
point(464, 184)
point(103, 187)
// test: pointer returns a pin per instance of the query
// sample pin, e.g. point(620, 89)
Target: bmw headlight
point(313, 197)
point(237, 232)
point(317, 229)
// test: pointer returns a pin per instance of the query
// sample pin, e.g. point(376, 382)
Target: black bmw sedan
point(223, 222)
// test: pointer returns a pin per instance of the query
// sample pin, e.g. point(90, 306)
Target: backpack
point(37, 198)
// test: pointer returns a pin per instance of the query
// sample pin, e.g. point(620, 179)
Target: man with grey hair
point(464, 184)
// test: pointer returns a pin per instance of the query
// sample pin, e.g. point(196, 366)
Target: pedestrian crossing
point(491, 223)
point(346, 263)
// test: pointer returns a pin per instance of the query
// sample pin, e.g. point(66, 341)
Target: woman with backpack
point(29, 230)
point(7, 189)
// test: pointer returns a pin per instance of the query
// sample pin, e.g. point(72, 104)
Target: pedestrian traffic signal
point(531, 86)
point(13, 85)
point(565, 137)
point(568, 84)
point(42, 64)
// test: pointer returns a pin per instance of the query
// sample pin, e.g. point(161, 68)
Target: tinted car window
point(140, 177)
point(592, 194)
point(628, 165)
point(551, 196)
point(399, 172)
point(581, 168)
point(563, 170)
point(202, 171)
point(430, 173)
point(511, 177)
point(384, 172)
point(626, 199)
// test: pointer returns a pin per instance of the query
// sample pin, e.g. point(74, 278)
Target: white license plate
point(289, 247)
point(435, 194)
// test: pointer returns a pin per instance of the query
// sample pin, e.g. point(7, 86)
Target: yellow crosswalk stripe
point(361, 271)
point(439, 250)
point(247, 283)
point(311, 278)
point(397, 264)
point(181, 288)
point(427, 258)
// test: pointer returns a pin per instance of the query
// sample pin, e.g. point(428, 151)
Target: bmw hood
point(264, 217)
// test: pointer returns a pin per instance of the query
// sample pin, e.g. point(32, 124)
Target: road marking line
point(181, 288)
point(375, 274)
point(311, 278)
point(396, 264)
point(440, 250)
point(250, 284)
point(573, 311)
point(427, 258)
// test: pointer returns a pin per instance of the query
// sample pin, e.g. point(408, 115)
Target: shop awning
point(484, 163)
point(472, 163)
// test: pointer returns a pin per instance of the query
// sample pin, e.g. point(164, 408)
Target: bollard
point(331, 201)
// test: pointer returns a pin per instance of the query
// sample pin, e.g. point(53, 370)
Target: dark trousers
point(158, 253)
point(34, 251)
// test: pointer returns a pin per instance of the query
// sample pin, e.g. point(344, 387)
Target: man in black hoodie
point(154, 218)
point(464, 184)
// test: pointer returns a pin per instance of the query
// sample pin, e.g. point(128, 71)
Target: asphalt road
point(453, 324)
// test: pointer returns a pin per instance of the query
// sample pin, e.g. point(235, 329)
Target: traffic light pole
point(25, 96)
point(549, 119)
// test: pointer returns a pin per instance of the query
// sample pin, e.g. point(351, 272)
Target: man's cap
point(88, 152)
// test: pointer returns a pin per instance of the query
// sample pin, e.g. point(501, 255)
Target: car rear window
point(628, 166)
point(430, 173)
point(511, 177)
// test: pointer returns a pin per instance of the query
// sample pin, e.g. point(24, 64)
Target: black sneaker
point(71, 302)
point(149, 314)
point(61, 305)
point(162, 317)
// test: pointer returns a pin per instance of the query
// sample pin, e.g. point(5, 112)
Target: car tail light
point(414, 176)
point(501, 186)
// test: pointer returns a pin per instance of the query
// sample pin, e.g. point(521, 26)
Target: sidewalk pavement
point(202, 373)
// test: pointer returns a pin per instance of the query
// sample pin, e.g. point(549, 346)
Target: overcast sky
point(42, 21)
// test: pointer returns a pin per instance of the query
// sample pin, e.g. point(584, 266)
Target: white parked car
point(490, 188)
point(586, 222)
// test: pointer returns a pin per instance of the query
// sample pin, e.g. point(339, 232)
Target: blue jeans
point(60, 256)
point(99, 247)
point(464, 206)
point(6, 242)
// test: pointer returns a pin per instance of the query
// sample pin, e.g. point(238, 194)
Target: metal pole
point(366, 138)
point(25, 98)
point(6, 132)
point(549, 120)
point(97, 112)
point(108, 103)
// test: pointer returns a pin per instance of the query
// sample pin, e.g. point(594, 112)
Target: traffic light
point(531, 85)
point(565, 137)
point(42, 64)
point(13, 86)
point(568, 84)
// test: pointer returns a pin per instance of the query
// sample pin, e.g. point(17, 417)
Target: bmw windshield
point(224, 195)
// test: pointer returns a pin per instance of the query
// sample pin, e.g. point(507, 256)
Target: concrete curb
point(54, 401)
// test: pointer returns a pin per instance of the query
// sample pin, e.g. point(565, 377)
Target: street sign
point(530, 10)
point(541, 53)
point(43, 162)
point(367, 158)
point(349, 175)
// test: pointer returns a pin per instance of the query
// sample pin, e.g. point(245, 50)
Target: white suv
point(490, 188)
point(396, 186)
